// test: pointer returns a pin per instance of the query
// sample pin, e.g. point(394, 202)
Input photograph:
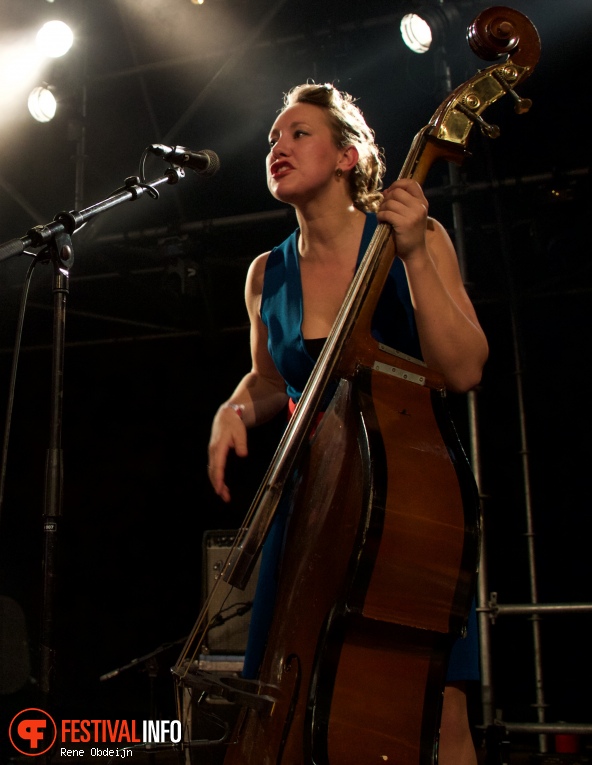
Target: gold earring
point(338, 172)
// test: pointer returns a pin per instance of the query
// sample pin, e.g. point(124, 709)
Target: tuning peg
point(491, 131)
point(521, 105)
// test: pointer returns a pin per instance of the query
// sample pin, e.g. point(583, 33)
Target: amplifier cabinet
point(229, 609)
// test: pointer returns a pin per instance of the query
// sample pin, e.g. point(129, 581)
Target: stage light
point(55, 39)
point(416, 33)
point(427, 25)
point(19, 68)
point(42, 104)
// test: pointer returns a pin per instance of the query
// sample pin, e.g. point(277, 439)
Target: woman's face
point(303, 155)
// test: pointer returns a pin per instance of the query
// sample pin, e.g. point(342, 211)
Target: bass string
point(198, 635)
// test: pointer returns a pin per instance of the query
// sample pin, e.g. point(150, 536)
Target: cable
point(12, 384)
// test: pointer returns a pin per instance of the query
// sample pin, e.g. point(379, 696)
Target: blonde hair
point(349, 128)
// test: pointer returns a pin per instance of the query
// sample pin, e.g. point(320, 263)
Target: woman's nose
point(279, 148)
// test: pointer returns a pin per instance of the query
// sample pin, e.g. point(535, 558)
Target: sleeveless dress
point(294, 357)
point(281, 311)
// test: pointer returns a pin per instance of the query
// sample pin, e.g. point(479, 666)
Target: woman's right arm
point(258, 397)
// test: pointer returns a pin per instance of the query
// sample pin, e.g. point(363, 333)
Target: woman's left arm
point(452, 341)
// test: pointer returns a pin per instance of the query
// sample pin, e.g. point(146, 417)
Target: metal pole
point(530, 534)
point(525, 462)
point(488, 708)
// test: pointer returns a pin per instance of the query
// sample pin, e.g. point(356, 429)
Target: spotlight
point(42, 104)
point(428, 24)
point(416, 33)
point(54, 39)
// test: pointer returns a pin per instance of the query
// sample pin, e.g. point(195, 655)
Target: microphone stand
point(149, 662)
point(56, 240)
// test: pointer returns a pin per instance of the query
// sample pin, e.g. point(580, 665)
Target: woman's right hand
point(228, 432)
point(262, 390)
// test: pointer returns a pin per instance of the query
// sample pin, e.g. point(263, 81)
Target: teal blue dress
point(294, 357)
point(281, 311)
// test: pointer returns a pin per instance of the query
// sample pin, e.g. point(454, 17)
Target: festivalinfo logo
point(33, 732)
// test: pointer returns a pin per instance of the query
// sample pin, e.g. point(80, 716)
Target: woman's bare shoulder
point(256, 274)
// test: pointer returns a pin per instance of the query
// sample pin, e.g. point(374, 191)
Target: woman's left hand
point(405, 208)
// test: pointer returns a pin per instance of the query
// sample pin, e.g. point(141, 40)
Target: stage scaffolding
point(491, 606)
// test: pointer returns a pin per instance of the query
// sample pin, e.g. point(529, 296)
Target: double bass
point(381, 553)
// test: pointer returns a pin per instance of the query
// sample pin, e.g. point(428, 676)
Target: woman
point(324, 162)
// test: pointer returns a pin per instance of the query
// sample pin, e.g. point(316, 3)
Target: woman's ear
point(349, 159)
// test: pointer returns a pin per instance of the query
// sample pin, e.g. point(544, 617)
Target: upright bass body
point(384, 518)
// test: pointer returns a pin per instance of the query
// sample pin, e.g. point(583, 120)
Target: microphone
point(204, 162)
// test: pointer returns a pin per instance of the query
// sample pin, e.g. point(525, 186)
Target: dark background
point(157, 331)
